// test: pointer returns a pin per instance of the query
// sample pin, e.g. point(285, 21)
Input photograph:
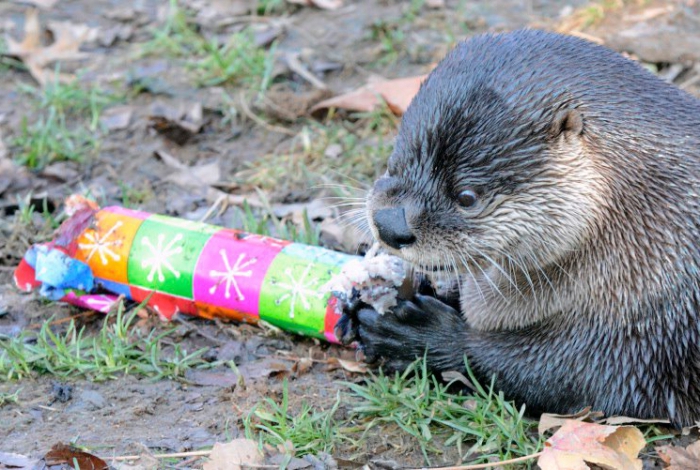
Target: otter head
point(492, 172)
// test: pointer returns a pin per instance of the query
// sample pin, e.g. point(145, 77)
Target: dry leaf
point(117, 118)
point(39, 58)
point(303, 365)
point(234, 455)
point(618, 420)
point(550, 421)
point(190, 176)
point(322, 4)
point(679, 458)
point(178, 125)
point(397, 94)
point(576, 443)
point(69, 455)
point(456, 376)
point(197, 176)
point(350, 366)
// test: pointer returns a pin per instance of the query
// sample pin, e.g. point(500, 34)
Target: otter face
point(485, 185)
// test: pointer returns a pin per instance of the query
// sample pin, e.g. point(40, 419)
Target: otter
point(556, 183)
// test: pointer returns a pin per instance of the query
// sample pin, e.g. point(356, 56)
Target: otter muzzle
point(392, 227)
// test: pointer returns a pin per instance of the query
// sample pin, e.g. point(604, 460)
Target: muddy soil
point(126, 415)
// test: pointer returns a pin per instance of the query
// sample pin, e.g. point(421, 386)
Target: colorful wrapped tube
point(188, 267)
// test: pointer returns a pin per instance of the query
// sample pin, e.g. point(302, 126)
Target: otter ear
point(567, 121)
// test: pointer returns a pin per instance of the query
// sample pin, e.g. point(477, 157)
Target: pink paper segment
point(231, 270)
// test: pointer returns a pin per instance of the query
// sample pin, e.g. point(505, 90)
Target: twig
point(250, 115)
point(298, 358)
point(484, 465)
point(177, 455)
point(188, 462)
point(64, 320)
point(586, 36)
point(691, 81)
point(174, 455)
point(296, 66)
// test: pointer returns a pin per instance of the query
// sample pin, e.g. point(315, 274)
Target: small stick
point(485, 465)
point(587, 36)
point(690, 82)
point(177, 455)
point(189, 461)
point(296, 66)
point(174, 455)
point(64, 320)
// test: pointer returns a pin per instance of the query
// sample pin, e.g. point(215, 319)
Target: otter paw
point(410, 330)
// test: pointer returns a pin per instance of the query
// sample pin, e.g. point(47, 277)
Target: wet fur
point(579, 270)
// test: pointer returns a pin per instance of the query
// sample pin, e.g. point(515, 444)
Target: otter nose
point(392, 227)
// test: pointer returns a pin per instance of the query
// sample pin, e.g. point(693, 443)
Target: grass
point(239, 62)
point(178, 37)
point(117, 349)
point(7, 398)
point(132, 197)
point(309, 430)
point(72, 99)
point(32, 222)
point(424, 408)
point(67, 125)
point(271, 7)
point(391, 33)
point(482, 426)
point(49, 139)
point(366, 141)
point(264, 222)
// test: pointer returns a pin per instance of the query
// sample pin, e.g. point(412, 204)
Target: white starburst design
point(229, 275)
point(160, 257)
point(299, 289)
point(101, 245)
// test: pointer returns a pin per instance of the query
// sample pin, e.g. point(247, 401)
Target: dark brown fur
point(579, 266)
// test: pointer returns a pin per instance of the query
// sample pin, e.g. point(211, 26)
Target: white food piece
point(376, 278)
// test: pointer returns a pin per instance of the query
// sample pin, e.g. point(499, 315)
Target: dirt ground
point(124, 416)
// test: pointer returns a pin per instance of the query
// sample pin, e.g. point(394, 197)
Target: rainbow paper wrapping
point(196, 268)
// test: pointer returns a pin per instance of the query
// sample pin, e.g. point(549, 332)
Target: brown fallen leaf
point(350, 366)
point(576, 443)
point(234, 455)
point(618, 420)
point(396, 93)
point(38, 58)
point(550, 421)
point(302, 366)
point(678, 458)
point(61, 454)
point(322, 4)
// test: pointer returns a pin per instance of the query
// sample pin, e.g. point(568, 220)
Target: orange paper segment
point(106, 247)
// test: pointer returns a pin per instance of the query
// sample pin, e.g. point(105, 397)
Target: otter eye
point(467, 198)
